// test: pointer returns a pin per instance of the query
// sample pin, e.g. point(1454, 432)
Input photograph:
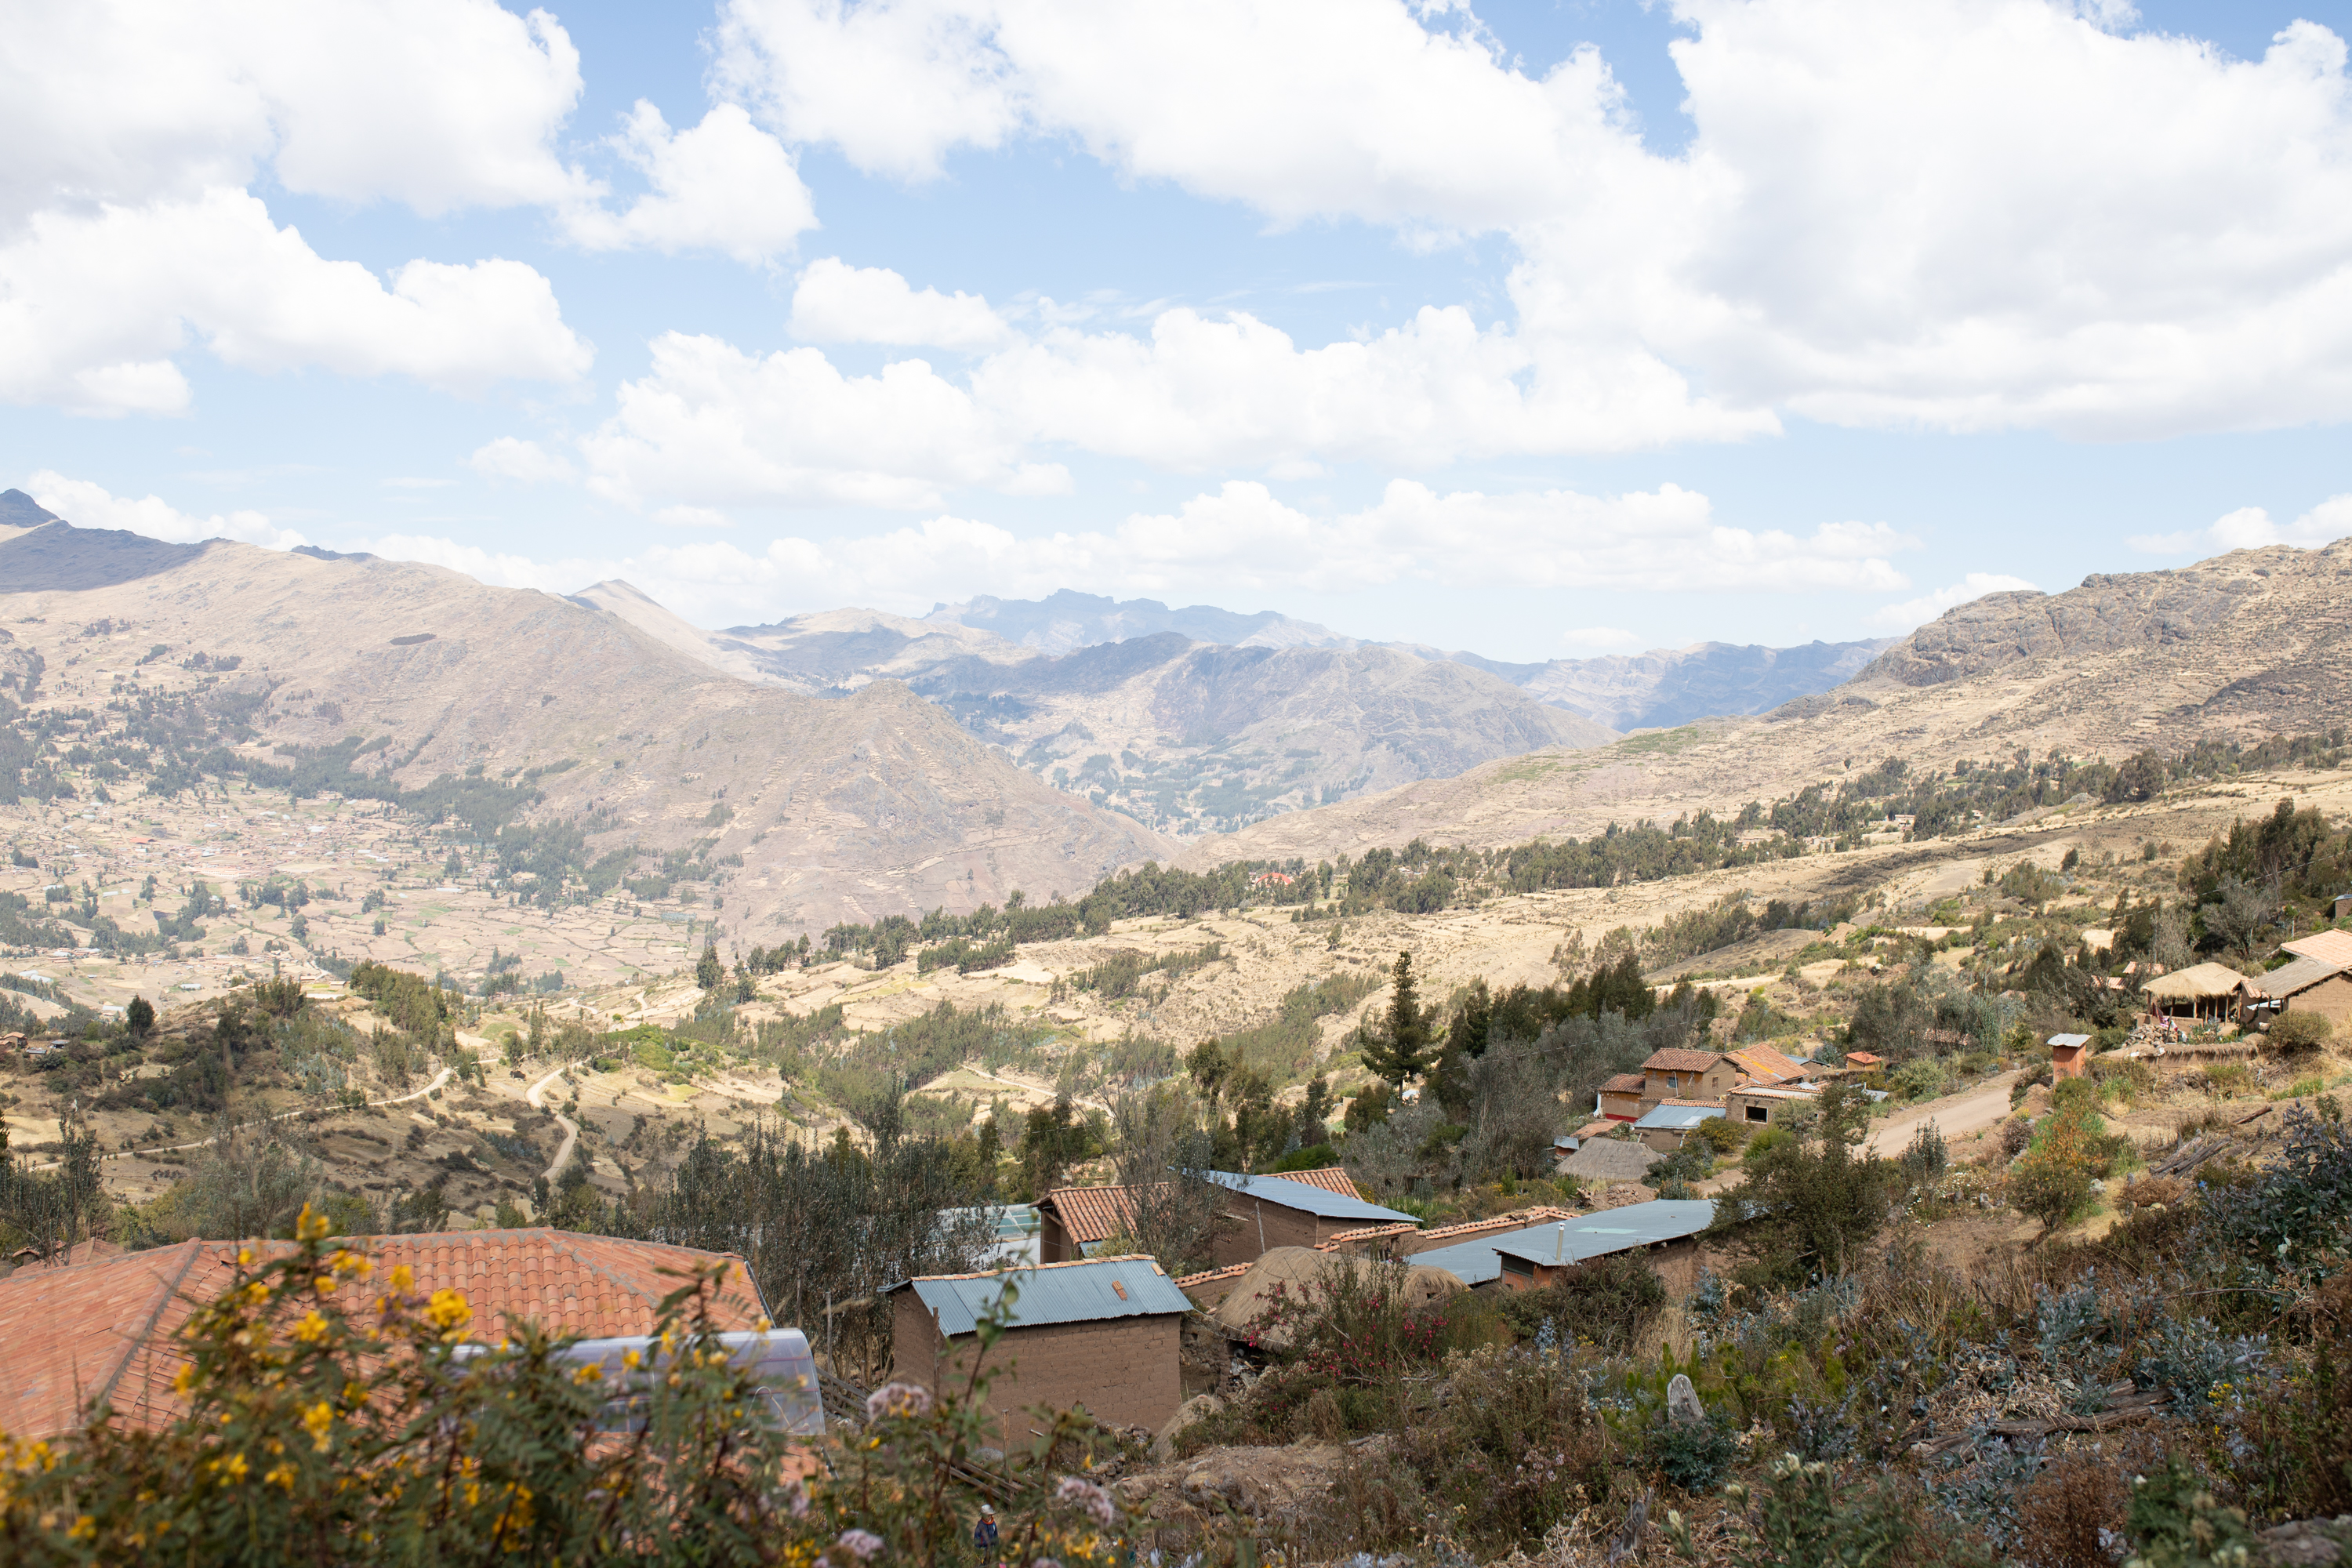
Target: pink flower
point(1086, 1497)
point(903, 1400)
point(862, 1544)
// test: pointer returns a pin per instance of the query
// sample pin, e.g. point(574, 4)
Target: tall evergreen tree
point(708, 972)
point(1397, 1048)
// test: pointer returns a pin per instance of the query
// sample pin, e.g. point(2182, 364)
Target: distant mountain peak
point(1066, 620)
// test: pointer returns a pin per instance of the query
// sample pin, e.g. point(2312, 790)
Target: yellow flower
point(312, 1327)
point(587, 1375)
point(84, 1529)
point(404, 1277)
point(448, 1310)
point(283, 1476)
point(183, 1380)
point(234, 1467)
point(630, 1359)
point(312, 1226)
point(257, 1293)
point(320, 1420)
point(325, 1285)
point(244, 1257)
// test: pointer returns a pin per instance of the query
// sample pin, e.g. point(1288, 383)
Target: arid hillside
point(2252, 643)
point(849, 808)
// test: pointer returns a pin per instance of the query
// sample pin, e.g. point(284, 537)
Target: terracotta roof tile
point(1470, 1230)
point(1624, 1083)
point(105, 1330)
point(1764, 1065)
point(1330, 1178)
point(2329, 946)
point(1090, 1214)
point(1681, 1061)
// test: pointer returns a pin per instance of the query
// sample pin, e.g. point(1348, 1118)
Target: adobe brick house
point(105, 1331)
point(1621, 1097)
point(1665, 1231)
point(2321, 985)
point(1298, 1208)
point(1762, 1105)
point(1099, 1333)
point(1699, 1075)
point(1291, 1210)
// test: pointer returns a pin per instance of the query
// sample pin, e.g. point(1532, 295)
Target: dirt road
point(571, 1128)
point(1955, 1116)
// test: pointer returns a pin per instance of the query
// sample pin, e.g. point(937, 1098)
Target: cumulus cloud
point(139, 131)
point(710, 425)
point(1240, 538)
point(88, 505)
point(93, 306)
point(1917, 612)
point(2251, 528)
point(1961, 213)
point(725, 186)
point(527, 462)
point(836, 302)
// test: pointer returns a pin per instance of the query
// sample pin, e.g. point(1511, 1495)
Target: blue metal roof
point(1310, 1199)
point(1611, 1230)
point(1092, 1291)
point(1676, 1117)
point(1474, 1262)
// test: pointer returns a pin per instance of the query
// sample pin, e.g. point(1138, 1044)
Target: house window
point(1759, 1113)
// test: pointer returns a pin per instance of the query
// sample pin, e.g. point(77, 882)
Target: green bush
point(2298, 1029)
point(304, 1441)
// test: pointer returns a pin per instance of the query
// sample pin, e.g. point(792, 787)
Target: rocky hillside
point(849, 808)
point(2252, 643)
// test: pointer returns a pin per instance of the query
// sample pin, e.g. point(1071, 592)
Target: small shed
point(1761, 1105)
point(1664, 1228)
point(2212, 992)
point(1665, 1126)
point(1101, 1332)
point(2070, 1055)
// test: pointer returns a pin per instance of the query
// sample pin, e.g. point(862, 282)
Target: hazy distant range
point(1660, 689)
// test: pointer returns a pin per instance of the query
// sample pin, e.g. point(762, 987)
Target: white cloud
point(692, 517)
point(711, 424)
point(1957, 214)
point(1917, 612)
point(1600, 640)
point(527, 462)
point(94, 305)
point(2251, 528)
point(838, 303)
point(1239, 538)
point(725, 186)
point(88, 505)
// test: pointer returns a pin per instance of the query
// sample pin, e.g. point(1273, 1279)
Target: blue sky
point(1540, 329)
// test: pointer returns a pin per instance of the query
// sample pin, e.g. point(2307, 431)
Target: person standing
point(984, 1534)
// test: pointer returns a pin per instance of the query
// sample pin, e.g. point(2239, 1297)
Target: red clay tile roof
point(1090, 1214)
point(1210, 1276)
point(1624, 1083)
point(1365, 1233)
point(1764, 1065)
point(2329, 946)
point(1097, 1213)
point(1330, 1178)
point(1862, 1059)
point(1681, 1061)
point(1517, 1219)
point(103, 1330)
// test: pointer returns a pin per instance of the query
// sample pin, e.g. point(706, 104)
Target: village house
point(1662, 1231)
point(1765, 1105)
point(106, 1331)
point(1688, 1075)
point(1621, 1097)
point(1665, 1125)
point(2312, 985)
point(1099, 1334)
point(2070, 1055)
point(1298, 1208)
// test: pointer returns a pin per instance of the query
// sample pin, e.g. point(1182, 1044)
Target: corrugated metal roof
point(1611, 1230)
point(1095, 1291)
point(2069, 1039)
point(1320, 1202)
point(1672, 1117)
